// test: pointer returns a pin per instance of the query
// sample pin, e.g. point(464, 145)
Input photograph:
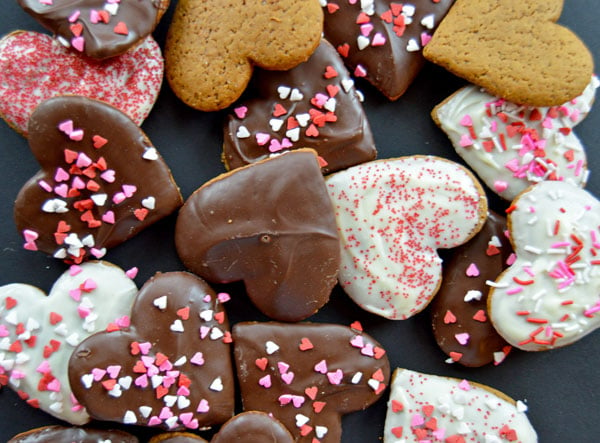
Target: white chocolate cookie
point(392, 216)
point(39, 332)
point(511, 146)
point(550, 296)
point(432, 408)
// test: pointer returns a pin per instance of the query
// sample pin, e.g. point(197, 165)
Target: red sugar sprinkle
point(10, 302)
point(121, 28)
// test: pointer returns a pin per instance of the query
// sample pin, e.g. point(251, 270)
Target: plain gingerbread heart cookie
point(382, 40)
point(271, 225)
point(549, 297)
point(392, 216)
point(39, 332)
point(426, 407)
point(35, 67)
point(98, 28)
point(513, 49)
point(512, 146)
point(313, 105)
point(212, 45)
point(101, 180)
point(307, 375)
point(170, 368)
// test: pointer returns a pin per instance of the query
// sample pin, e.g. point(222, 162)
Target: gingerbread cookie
point(170, 368)
point(432, 408)
point(314, 105)
point(270, 224)
point(308, 375)
point(230, 37)
point(548, 298)
point(101, 180)
point(253, 427)
point(97, 28)
point(35, 67)
point(513, 49)
point(460, 320)
point(38, 333)
point(392, 217)
point(53, 434)
point(382, 40)
point(512, 146)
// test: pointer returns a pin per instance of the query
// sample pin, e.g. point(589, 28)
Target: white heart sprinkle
point(183, 402)
point(87, 380)
point(271, 347)
point(428, 21)
point(206, 315)
point(284, 92)
point(276, 124)
point(242, 132)
point(473, 295)
point(301, 420)
point(169, 400)
point(216, 385)
point(296, 95)
point(113, 8)
point(293, 134)
point(99, 199)
point(149, 203)
point(362, 42)
point(347, 84)
point(160, 302)
point(320, 431)
point(129, 418)
point(412, 45)
point(216, 334)
point(177, 326)
point(150, 154)
point(145, 411)
point(303, 119)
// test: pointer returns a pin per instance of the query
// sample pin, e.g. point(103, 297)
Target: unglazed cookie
point(392, 216)
point(459, 315)
point(35, 67)
point(253, 427)
point(101, 180)
point(98, 28)
point(513, 49)
point(382, 40)
point(39, 332)
point(170, 368)
point(313, 105)
point(431, 408)
point(270, 224)
point(53, 434)
point(549, 297)
point(307, 375)
point(512, 146)
point(230, 38)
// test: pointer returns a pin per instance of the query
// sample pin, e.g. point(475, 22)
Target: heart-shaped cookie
point(171, 368)
point(35, 67)
point(425, 407)
point(38, 333)
point(514, 49)
point(382, 40)
point(229, 38)
point(459, 315)
point(270, 224)
point(313, 105)
point(549, 297)
point(511, 146)
point(307, 375)
point(101, 180)
point(393, 215)
point(97, 28)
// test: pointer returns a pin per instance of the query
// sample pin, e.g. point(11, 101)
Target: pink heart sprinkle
point(123, 322)
point(204, 330)
point(74, 16)
point(154, 421)
point(193, 424)
point(466, 121)
point(30, 235)
point(98, 374)
point(223, 297)
point(43, 368)
point(76, 135)
point(54, 385)
point(165, 413)
point(262, 138)
point(206, 298)
point(425, 38)
point(378, 39)
point(472, 270)
point(183, 391)
point(83, 161)
point(78, 183)
point(366, 29)
point(500, 186)
point(416, 420)
point(75, 294)
point(241, 111)
point(283, 367)
point(4, 331)
point(113, 371)
point(197, 359)
point(89, 285)
point(129, 190)
point(321, 367)
point(131, 273)
point(83, 312)
point(61, 175)
point(94, 16)
point(462, 338)
point(186, 418)
point(297, 401)
point(288, 377)
point(464, 385)
point(203, 406)
point(61, 190)
point(286, 143)
point(465, 140)
point(109, 217)
point(335, 378)
point(142, 381)
point(274, 146)
point(98, 253)
point(439, 433)
point(357, 341)
point(265, 381)
point(368, 350)
point(66, 126)
point(78, 43)
point(74, 270)
point(108, 176)
point(119, 197)
point(145, 347)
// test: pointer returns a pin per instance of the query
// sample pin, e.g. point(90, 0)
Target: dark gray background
point(561, 387)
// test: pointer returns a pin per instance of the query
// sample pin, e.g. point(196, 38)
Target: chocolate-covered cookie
point(270, 224)
point(253, 427)
point(459, 310)
point(170, 369)
point(382, 40)
point(313, 105)
point(98, 28)
point(101, 180)
point(177, 437)
point(308, 375)
point(53, 434)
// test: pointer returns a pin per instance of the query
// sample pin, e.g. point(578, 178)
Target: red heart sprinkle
point(121, 29)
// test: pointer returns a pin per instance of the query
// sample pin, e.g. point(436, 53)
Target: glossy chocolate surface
point(55, 434)
point(91, 27)
point(392, 64)
point(261, 224)
point(321, 371)
point(175, 357)
point(321, 91)
point(94, 193)
point(253, 427)
point(177, 437)
point(452, 315)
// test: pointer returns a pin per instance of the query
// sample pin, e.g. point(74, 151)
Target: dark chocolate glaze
point(343, 143)
point(323, 402)
point(153, 324)
point(123, 153)
point(101, 40)
point(389, 67)
point(270, 224)
point(253, 427)
point(177, 437)
point(483, 338)
point(56, 434)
